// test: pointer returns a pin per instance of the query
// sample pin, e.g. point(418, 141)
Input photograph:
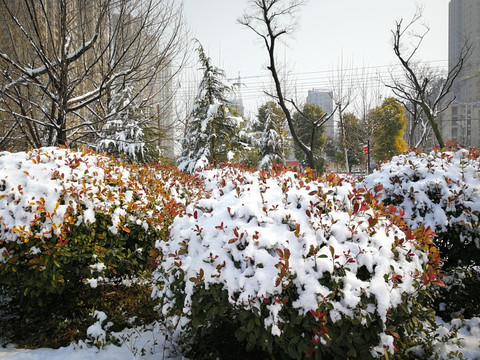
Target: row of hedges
point(253, 263)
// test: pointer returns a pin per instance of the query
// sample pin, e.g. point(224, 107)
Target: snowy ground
point(149, 344)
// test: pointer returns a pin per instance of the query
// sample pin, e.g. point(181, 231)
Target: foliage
point(294, 266)
point(309, 133)
point(213, 123)
point(72, 221)
point(390, 123)
point(355, 138)
point(460, 297)
point(271, 127)
point(125, 306)
point(440, 190)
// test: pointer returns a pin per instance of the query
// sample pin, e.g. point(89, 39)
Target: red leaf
point(356, 207)
point(309, 352)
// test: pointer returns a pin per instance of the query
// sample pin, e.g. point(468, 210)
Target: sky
point(355, 33)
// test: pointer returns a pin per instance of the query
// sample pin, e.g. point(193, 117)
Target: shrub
point(441, 190)
point(292, 266)
point(74, 219)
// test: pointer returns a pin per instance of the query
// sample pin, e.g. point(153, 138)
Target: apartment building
point(324, 99)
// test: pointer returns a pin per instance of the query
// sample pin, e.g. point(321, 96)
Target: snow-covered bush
point(293, 266)
point(441, 189)
point(69, 220)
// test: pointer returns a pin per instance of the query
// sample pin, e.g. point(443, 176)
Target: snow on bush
point(96, 332)
point(441, 190)
point(68, 218)
point(309, 258)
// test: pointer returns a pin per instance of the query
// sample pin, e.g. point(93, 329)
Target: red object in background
point(365, 150)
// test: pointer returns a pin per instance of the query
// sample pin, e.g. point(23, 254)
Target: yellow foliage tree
point(389, 126)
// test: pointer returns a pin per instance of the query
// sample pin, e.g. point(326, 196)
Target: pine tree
point(123, 134)
point(271, 132)
point(213, 122)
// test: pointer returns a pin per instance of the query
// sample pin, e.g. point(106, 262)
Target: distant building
point(324, 99)
point(464, 25)
point(460, 123)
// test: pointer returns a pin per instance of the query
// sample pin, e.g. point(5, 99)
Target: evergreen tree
point(122, 134)
point(213, 123)
point(389, 123)
point(310, 134)
point(271, 129)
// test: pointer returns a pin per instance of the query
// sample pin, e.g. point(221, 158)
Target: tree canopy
point(390, 123)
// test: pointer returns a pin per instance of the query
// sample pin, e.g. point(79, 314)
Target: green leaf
point(352, 353)
point(250, 324)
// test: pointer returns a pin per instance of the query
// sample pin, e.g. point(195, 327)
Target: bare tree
point(270, 20)
point(369, 91)
point(67, 58)
point(343, 96)
point(416, 87)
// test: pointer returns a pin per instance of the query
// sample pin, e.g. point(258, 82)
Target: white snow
point(147, 343)
point(454, 175)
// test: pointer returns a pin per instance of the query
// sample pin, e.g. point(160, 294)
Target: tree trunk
point(433, 123)
point(344, 139)
point(281, 101)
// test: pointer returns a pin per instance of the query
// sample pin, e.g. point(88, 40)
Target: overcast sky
point(359, 31)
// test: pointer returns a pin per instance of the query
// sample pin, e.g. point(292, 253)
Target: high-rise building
point(324, 99)
point(460, 122)
point(464, 25)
